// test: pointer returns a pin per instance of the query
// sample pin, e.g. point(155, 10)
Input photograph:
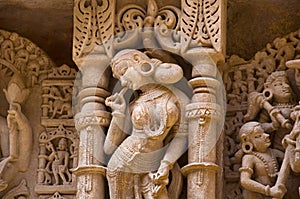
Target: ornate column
point(92, 51)
point(203, 45)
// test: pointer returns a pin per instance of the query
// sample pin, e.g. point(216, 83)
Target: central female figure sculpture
point(144, 151)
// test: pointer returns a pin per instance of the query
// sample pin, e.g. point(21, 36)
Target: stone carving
point(58, 155)
point(162, 24)
point(253, 75)
point(18, 54)
point(93, 26)
point(57, 195)
point(148, 27)
point(201, 23)
point(276, 100)
point(19, 192)
point(112, 34)
point(16, 133)
point(57, 97)
point(259, 164)
point(140, 164)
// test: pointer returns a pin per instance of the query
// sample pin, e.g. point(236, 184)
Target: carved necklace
point(154, 92)
point(284, 105)
point(271, 172)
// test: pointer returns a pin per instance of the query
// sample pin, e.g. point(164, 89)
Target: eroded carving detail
point(16, 133)
point(57, 97)
point(57, 195)
point(18, 54)
point(19, 192)
point(58, 154)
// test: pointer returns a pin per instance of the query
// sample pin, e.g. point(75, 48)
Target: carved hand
point(16, 116)
point(116, 102)
point(278, 191)
point(160, 179)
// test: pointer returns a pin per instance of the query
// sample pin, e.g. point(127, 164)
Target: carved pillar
point(91, 53)
point(203, 45)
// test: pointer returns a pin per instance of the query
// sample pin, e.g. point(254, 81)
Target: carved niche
point(58, 155)
point(242, 77)
point(196, 32)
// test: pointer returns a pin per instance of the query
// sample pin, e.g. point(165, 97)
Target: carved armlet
point(246, 169)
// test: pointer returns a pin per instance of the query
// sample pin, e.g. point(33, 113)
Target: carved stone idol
point(15, 133)
point(259, 164)
point(143, 156)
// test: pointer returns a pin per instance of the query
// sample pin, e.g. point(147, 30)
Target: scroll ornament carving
point(58, 154)
point(18, 54)
point(127, 26)
point(250, 85)
point(157, 26)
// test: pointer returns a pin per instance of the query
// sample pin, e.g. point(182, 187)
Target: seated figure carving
point(140, 162)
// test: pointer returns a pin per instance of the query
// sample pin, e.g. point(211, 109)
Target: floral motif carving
point(93, 26)
point(201, 23)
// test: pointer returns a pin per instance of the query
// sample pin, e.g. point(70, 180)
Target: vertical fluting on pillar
point(92, 51)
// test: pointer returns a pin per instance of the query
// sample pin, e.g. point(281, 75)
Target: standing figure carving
point(15, 134)
point(142, 153)
point(275, 109)
point(60, 161)
point(259, 164)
